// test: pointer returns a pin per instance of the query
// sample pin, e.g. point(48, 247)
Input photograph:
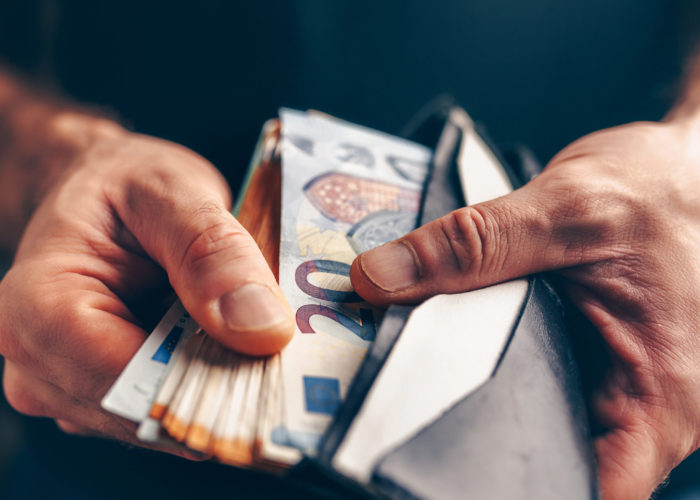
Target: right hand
point(616, 215)
point(129, 215)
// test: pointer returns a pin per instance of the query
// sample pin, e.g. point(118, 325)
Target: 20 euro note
point(345, 189)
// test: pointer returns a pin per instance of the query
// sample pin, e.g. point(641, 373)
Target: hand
point(616, 215)
point(129, 215)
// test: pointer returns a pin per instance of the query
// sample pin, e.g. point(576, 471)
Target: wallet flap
point(523, 434)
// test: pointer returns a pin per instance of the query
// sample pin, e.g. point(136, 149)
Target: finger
point(34, 397)
point(548, 224)
point(76, 430)
point(629, 465)
point(212, 262)
point(81, 325)
point(80, 430)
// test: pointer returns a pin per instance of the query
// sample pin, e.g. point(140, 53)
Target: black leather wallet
point(522, 434)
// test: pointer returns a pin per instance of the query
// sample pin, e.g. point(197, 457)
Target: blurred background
point(207, 74)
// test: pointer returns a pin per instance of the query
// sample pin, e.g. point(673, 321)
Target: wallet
point(468, 395)
point(522, 432)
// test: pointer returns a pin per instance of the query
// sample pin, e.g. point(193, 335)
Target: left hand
point(129, 216)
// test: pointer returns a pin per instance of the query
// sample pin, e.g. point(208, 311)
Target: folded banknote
point(344, 189)
point(350, 388)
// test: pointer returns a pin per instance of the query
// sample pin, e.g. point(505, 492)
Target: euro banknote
point(345, 189)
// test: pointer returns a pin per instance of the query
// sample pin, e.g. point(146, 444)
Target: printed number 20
point(364, 329)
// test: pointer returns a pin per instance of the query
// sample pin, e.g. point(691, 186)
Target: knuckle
point(21, 399)
point(64, 325)
point(217, 237)
point(4, 330)
point(169, 170)
point(6, 336)
point(71, 428)
point(11, 344)
point(592, 215)
point(87, 379)
point(473, 240)
point(72, 318)
point(82, 385)
point(462, 232)
point(150, 189)
point(77, 354)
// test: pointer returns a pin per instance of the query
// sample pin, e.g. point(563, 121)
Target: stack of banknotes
point(319, 192)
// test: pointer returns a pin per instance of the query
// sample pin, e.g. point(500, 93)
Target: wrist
point(64, 135)
point(685, 114)
point(39, 139)
point(686, 109)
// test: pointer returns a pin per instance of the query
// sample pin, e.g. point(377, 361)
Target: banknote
point(345, 189)
point(132, 394)
point(468, 331)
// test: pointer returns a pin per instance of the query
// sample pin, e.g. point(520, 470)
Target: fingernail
point(252, 307)
point(391, 267)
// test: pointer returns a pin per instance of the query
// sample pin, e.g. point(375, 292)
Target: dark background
point(207, 74)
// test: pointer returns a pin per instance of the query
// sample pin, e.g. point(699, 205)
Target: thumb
point(213, 263)
point(542, 226)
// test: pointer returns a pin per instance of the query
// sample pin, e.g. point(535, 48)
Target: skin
point(615, 217)
point(116, 220)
